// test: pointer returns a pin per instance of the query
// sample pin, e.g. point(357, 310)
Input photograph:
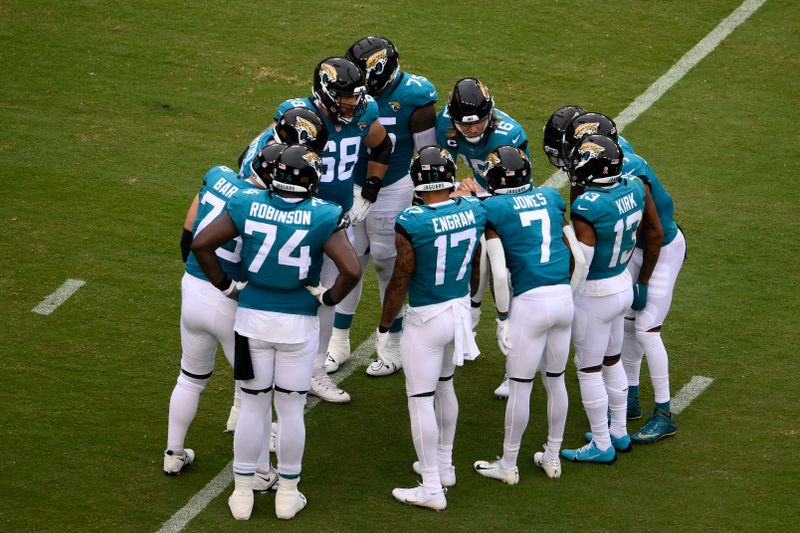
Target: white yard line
point(689, 392)
point(61, 295)
point(214, 487)
point(691, 58)
point(557, 180)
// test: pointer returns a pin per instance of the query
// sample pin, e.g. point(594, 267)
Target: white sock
point(263, 458)
point(657, 363)
point(182, 408)
point(632, 353)
point(595, 402)
point(557, 406)
point(446, 409)
point(617, 389)
point(249, 438)
point(425, 435)
point(516, 420)
point(291, 440)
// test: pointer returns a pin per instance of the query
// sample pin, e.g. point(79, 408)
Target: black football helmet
point(338, 77)
point(263, 165)
point(378, 58)
point(433, 169)
point(470, 102)
point(301, 125)
point(587, 124)
point(298, 169)
point(508, 170)
point(595, 159)
point(553, 134)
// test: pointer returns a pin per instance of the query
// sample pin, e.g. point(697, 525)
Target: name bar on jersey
point(454, 221)
point(529, 201)
point(626, 203)
point(267, 212)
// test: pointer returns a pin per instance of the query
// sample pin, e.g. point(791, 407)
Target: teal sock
point(663, 406)
point(633, 391)
point(289, 476)
point(342, 321)
point(396, 326)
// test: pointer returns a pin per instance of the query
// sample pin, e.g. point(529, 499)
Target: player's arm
point(204, 246)
point(380, 145)
point(397, 289)
point(422, 124)
point(653, 235)
point(341, 252)
point(578, 265)
point(497, 261)
point(586, 239)
point(575, 191)
point(188, 224)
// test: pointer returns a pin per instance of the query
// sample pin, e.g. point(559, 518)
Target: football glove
point(233, 290)
point(639, 296)
point(360, 206)
point(319, 292)
point(502, 336)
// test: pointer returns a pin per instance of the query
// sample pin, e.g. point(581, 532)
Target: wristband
point(382, 329)
point(370, 189)
point(225, 283)
point(327, 299)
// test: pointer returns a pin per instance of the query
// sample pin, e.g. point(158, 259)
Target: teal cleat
point(591, 454)
point(660, 426)
point(621, 444)
point(634, 408)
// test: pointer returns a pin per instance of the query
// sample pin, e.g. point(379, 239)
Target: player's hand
point(466, 187)
point(360, 207)
point(476, 316)
point(318, 292)
point(639, 296)
point(502, 336)
point(380, 342)
point(234, 289)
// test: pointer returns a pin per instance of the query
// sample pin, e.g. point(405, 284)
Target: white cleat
point(421, 497)
point(264, 481)
point(494, 470)
point(501, 392)
point(389, 360)
point(447, 475)
point(241, 501)
point(338, 350)
point(174, 463)
point(382, 368)
point(273, 437)
point(323, 387)
point(233, 417)
point(551, 467)
point(288, 500)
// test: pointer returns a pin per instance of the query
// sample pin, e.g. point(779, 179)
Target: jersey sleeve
point(584, 209)
point(422, 91)
point(493, 211)
point(442, 139)
point(283, 107)
point(371, 113)
point(238, 206)
point(555, 198)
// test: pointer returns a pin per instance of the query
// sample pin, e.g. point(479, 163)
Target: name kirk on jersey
point(454, 221)
point(267, 212)
point(626, 203)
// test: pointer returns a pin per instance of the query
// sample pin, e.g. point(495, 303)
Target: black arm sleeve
point(382, 152)
point(186, 244)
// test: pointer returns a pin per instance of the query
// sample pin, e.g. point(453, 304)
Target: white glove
point(317, 291)
point(476, 316)
point(360, 207)
point(234, 289)
point(380, 343)
point(503, 341)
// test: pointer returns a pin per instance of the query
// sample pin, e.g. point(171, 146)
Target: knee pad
point(193, 384)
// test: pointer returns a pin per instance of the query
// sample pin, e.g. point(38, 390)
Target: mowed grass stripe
point(691, 58)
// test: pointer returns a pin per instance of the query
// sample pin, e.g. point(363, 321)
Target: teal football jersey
point(263, 139)
point(444, 239)
point(505, 130)
point(396, 104)
point(219, 185)
point(529, 225)
point(341, 153)
point(635, 165)
point(282, 249)
point(615, 213)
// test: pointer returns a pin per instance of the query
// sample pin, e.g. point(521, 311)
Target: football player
point(524, 234)
point(435, 247)
point(471, 126)
point(645, 318)
point(608, 216)
point(406, 105)
point(207, 316)
point(284, 233)
point(351, 117)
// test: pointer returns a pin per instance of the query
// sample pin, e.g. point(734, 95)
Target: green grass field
point(111, 112)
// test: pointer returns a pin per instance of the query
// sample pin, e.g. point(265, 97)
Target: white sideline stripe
point(557, 180)
point(61, 295)
point(689, 392)
point(691, 58)
point(214, 487)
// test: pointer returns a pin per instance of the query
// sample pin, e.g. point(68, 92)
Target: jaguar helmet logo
point(377, 62)
point(306, 130)
point(485, 91)
point(327, 74)
point(590, 150)
point(587, 128)
point(492, 161)
point(313, 159)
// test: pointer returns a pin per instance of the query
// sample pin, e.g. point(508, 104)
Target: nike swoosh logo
point(432, 94)
point(515, 139)
point(581, 208)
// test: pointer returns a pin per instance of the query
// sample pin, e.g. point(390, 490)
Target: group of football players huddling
point(364, 170)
